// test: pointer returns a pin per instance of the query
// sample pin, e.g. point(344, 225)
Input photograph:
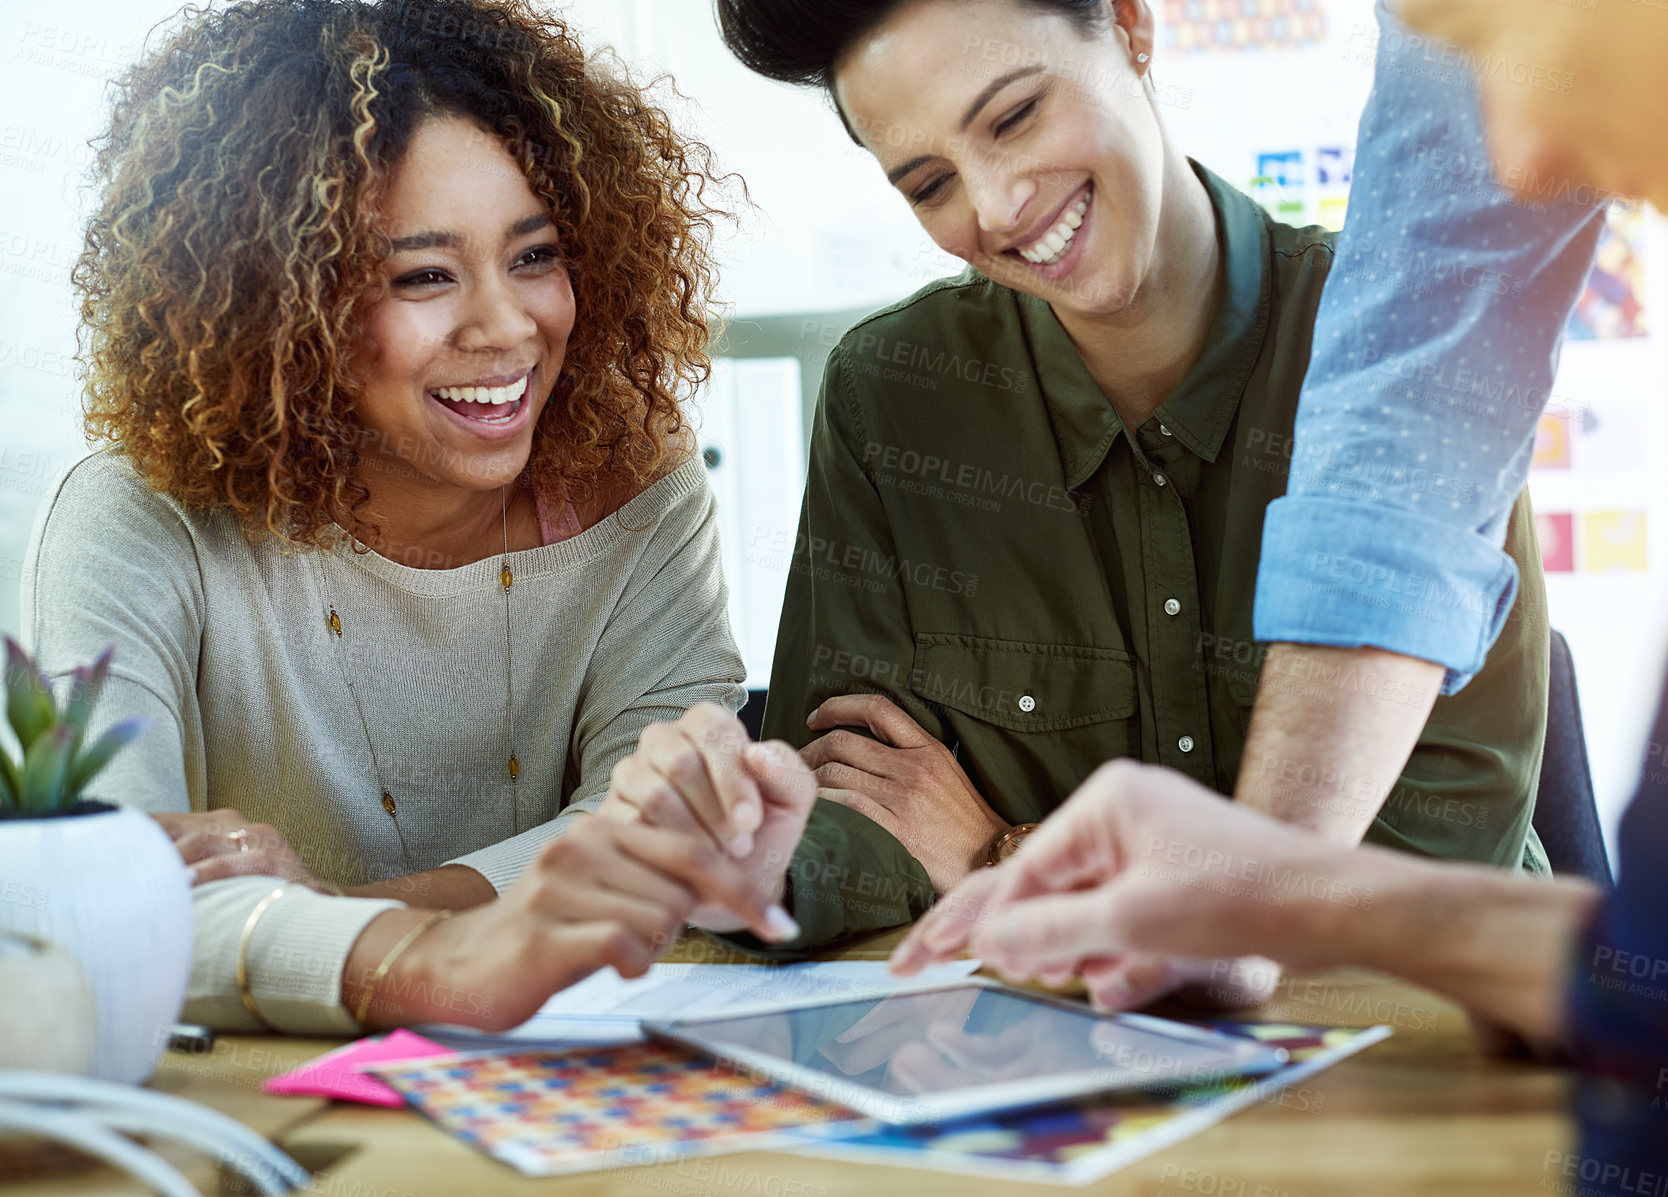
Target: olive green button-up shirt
point(1044, 589)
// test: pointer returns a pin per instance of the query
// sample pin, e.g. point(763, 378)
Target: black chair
point(752, 715)
point(1566, 817)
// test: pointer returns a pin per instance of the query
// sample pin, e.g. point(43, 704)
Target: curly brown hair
point(236, 248)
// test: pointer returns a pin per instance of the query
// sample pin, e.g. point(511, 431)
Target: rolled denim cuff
point(1354, 575)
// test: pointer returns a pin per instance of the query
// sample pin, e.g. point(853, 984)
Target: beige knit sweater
point(224, 645)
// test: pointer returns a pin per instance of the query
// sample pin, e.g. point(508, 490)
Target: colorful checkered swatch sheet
point(547, 1113)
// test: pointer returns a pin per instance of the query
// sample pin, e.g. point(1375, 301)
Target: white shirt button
point(1172, 607)
point(1185, 743)
point(1161, 480)
point(1027, 704)
point(1163, 431)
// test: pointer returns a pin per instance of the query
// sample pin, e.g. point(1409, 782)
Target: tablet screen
point(969, 1036)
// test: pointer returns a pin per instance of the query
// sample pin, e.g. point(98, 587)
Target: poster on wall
point(1594, 542)
point(1602, 438)
point(1302, 187)
point(1556, 532)
point(1553, 442)
point(1613, 541)
point(1613, 305)
point(1237, 26)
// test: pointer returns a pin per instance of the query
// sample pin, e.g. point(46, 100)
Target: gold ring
point(240, 837)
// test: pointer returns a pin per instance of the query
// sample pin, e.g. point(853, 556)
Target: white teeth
point(496, 396)
point(1051, 246)
point(1048, 249)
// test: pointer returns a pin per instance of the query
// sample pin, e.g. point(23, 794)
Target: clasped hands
point(699, 823)
point(904, 780)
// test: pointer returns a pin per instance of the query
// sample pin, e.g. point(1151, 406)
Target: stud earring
point(1140, 58)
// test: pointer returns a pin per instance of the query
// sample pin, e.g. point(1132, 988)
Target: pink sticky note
point(336, 1073)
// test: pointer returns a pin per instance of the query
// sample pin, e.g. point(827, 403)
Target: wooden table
point(1421, 1113)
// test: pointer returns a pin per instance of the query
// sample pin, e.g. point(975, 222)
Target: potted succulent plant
point(98, 882)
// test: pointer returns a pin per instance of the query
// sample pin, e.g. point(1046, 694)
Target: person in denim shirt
point(1561, 965)
point(1435, 349)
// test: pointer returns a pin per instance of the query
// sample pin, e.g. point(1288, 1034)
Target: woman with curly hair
point(395, 525)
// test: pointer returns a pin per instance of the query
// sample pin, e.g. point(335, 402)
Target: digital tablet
point(963, 1048)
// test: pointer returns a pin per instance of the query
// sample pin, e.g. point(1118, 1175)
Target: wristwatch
point(1006, 844)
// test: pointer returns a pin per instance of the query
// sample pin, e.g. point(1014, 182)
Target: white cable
point(260, 1172)
point(211, 1131)
point(84, 1133)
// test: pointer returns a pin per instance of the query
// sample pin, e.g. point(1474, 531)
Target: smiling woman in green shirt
point(1035, 498)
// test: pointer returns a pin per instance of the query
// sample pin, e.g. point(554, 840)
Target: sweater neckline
point(638, 515)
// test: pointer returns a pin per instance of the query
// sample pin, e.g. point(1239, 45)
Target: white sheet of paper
point(605, 1008)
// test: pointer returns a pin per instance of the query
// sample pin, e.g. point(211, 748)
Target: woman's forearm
point(450, 887)
point(380, 936)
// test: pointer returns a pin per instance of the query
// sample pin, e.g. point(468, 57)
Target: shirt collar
point(1200, 410)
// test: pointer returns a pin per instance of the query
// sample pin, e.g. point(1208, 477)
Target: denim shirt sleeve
point(1435, 349)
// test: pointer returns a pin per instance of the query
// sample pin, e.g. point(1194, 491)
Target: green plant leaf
point(96, 756)
point(11, 783)
point(45, 768)
point(29, 705)
point(84, 691)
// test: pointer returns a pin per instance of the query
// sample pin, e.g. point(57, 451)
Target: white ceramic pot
point(109, 888)
point(47, 1018)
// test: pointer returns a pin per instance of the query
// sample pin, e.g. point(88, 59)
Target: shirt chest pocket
point(1033, 719)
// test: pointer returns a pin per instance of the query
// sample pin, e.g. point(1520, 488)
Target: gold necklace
point(333, 622)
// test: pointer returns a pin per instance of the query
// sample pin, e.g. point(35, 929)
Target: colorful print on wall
point(1608, 438)
point(1614, 541)
point(1290, 191)
point(1613, 305)
point(1552, 443)
point(1556, 532)
point(1232, 26)
point(1335, 165)
point(1594, 542)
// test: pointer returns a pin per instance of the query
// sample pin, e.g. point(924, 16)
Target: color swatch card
point(550, 1113)
point(547, 1113)
point(1080, 1143)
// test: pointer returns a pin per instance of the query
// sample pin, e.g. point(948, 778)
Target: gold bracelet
point(406, 941)
point(261, 908)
